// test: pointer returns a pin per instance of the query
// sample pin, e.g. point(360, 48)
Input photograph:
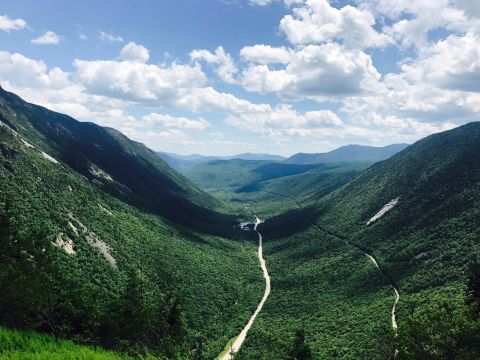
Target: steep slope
point(78, 262)
point(417, 214)
point(122, 167)
point(348, 153)
point(436, 182)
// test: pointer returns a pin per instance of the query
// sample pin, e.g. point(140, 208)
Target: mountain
point(254, 156)
point(348, 153)
point(124, 168)
point(96, 246)
point(239, 175)
point(184, 163)
point(416, 215)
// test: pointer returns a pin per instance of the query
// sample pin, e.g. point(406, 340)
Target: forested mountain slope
point(426, 242)
point(78, 262)
point(239, 175)
point(122, 167)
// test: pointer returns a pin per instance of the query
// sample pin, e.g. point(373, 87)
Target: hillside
point(423, 242)
point(121, 167)
point(348, 153)
point(79, 262)
point(183, 163)
point(239, 175)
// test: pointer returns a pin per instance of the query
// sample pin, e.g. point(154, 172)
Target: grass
point(227, 348)
point(17, 345)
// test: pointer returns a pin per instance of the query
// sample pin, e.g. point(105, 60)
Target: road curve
point(237, 344)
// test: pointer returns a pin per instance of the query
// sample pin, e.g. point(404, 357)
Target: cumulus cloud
point(413, 20)
point(48, 38)
point(266, 54)
point(137, 81)
point(225, 66)
point(317, 22)
point(109, 37)
point(176, 122)
point(7, 24)
point(22, 71)
point(453, 63)
point(259, 2)
point(284, 120)
point(316, 71)
point(134, 52)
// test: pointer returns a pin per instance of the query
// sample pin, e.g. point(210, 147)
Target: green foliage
point(473, 287)
point(241, 175)
point(300, 351)
point(15, 345)
point(139, 284)
point(171, 286)
point(439, 331)
point(124, 168)
point(328, 287)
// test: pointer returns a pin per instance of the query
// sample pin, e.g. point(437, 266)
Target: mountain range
point(348, 153)
point(109, 252)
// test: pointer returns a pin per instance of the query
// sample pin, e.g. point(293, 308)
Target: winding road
point(237, 344)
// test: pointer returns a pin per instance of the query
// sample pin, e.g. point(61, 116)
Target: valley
point(234, 346)
point(352, 260)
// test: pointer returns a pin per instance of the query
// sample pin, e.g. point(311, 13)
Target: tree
point(300, 350)
point(473, 287)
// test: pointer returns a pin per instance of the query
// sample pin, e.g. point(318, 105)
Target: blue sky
point(230, 76)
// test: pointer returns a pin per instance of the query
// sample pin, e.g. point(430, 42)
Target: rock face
point(94, 240)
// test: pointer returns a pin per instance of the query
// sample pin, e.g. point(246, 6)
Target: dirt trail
point(237, 344)
point(397, 294)
point(390, 281)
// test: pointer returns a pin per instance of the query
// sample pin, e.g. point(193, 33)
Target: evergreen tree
point(300, 350)
point(473, 287)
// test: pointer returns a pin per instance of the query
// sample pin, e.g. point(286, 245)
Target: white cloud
point(207, 99)
point(109, 37)
point(225, 67)
point(136, 81)
point(266, 54)
point(48, 38)
point(318, 22)
point(259, 2)
point(22, 71)
point(284, 120)
point(453, 63)
point(293, 2)
point(176, 122)
point(316, 72)
point(7, 24)
point(134, 52)
point(413, 20)
point(261, 79)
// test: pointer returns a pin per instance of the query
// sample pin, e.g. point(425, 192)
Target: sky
point(221, 77)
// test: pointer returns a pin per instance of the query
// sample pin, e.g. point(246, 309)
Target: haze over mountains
point(183, 163)
point(349, 153)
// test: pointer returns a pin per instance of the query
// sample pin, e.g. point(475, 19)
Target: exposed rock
point(64, 242)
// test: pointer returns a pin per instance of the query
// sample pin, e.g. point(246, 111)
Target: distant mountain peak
point(349, 153)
